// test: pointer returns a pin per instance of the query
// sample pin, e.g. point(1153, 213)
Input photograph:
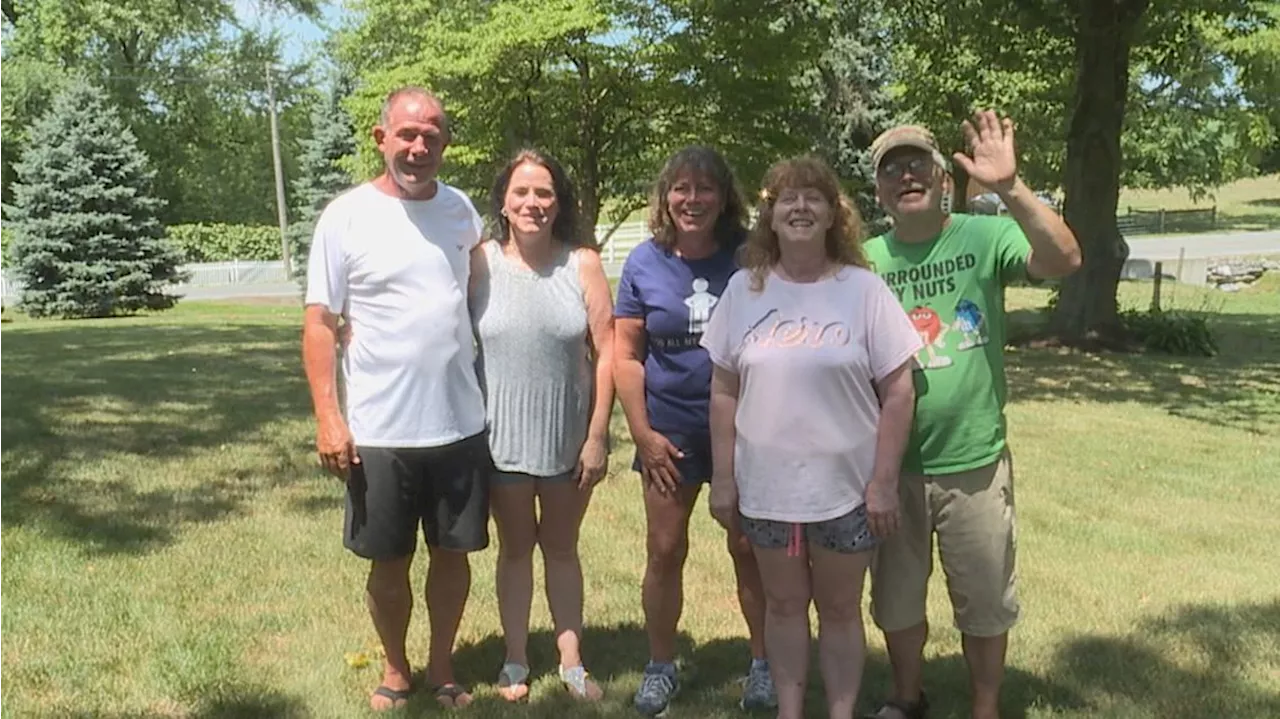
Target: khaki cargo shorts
point(972, 514)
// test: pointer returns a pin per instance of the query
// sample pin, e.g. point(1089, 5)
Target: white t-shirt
point(807, 355)
point(398, 269)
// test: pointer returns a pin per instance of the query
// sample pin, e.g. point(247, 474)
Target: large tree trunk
point(589, 126)
point(1086, 311)
point(959, 107)
point(589, 195)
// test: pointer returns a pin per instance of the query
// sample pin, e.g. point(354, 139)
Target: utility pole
point(275, 156)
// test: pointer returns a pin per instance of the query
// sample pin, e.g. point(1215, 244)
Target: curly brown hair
point(731, 225)
point(844, 238)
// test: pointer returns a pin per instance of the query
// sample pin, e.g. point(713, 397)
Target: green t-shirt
point(952, 288)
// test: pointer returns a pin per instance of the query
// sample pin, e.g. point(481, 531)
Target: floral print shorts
point(847, 534)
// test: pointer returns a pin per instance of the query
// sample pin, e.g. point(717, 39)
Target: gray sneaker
point(657, 687)
point(757, 689)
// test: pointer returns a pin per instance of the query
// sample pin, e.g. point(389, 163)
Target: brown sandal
point(397, 697)
point(448, 695)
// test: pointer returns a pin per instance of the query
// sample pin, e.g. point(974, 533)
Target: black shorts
point(394, 490)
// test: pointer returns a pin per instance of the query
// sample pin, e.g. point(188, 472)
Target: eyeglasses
point(917, 165)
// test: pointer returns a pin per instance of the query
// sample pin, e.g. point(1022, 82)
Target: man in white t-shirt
point(391, 258)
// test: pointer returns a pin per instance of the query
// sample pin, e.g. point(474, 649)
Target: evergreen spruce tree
point(849, 94)
point(86, 238)
point(321, 176)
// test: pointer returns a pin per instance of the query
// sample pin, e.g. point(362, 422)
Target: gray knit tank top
point(533, 363)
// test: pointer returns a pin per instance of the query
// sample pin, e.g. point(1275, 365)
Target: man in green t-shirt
point(949, 272)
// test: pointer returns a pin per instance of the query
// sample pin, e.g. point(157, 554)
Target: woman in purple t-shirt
point(669, 288)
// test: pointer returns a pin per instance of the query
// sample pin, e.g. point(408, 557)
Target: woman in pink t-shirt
point(811, 404)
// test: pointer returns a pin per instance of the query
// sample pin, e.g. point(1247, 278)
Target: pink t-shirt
point(807, 356)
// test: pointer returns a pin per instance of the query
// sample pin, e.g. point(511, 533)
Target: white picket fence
point(10, 289)
point(620, 244)
point(248, 272)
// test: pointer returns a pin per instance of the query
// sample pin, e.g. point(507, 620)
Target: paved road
point(226, 292)
point(1234, 244)
point(1146, 247)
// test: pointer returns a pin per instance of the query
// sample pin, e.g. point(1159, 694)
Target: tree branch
point(1056, 15)
point(10, 12)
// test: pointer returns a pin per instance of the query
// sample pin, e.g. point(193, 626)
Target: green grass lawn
point(1250, 204)
point(174, 552)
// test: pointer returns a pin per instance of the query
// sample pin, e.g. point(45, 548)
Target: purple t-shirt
point(674, 296)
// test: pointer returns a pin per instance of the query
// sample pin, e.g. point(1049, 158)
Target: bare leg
point(563, 506)
point(448, 584)
point(668, 546)
point(512, 504)
point(390, 602)
point(842, 643)
point(786, 626)
point(750, 590)
point(985, 656)
point(906, 654)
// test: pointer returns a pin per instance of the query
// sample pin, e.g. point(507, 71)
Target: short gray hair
point(410, 91)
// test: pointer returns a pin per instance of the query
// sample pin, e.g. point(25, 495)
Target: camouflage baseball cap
point(906, 136)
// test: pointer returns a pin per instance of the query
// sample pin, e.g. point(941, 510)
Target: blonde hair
point(844, 239)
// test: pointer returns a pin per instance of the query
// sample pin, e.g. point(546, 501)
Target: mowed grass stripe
point(174, 553)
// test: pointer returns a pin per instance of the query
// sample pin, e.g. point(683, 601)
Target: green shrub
point(1177, 333)
point(223, 243)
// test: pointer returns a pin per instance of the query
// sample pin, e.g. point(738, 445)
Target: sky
point(301, 35)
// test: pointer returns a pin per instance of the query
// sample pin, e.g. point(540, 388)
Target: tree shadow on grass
point(946, 681)
point(1239, 388)
point(615, 656)
point(80, 393)
point(711, 674)
point(1191, 663)
point(1265, 202)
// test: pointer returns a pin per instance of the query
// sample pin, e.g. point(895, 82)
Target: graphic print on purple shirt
point(675, 297)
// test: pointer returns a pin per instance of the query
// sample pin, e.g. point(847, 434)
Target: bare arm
point(600, 327)
point(319, 343)
point(628, 372)
point(479, 274)
point(897, 406)
point(600, 321)
point(724, 409)
point(319, 337)
point(1054, 249)
point(656, 451)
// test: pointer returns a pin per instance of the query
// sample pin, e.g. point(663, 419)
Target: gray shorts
point(500, 477)
point(847, 534)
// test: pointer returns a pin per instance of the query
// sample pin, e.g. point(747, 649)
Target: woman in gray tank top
point(543, 315)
